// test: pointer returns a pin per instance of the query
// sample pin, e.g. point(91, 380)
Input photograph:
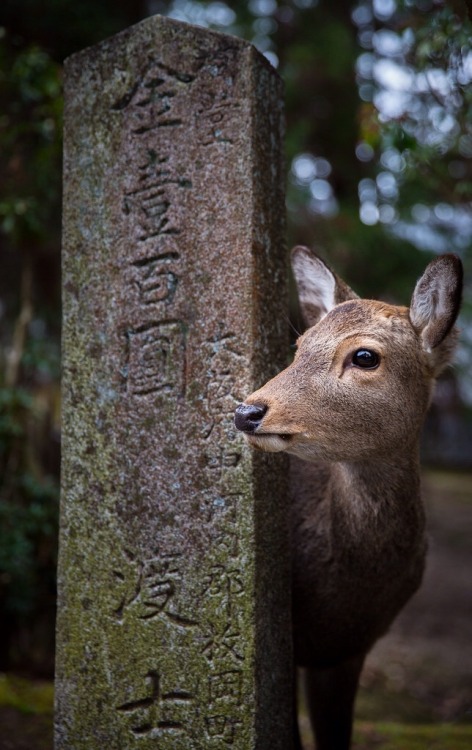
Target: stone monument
point(173, 619)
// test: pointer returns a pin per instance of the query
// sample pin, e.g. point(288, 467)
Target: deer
point(349, 411)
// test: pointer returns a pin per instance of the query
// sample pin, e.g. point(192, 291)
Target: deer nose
point(248, 417)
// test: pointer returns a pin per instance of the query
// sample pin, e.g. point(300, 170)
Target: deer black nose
point(248, 417)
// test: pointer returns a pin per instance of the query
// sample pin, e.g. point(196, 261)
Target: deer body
point(358, 553)
point(349, 410)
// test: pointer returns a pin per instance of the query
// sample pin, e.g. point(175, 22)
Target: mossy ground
point(26, 696)
point(380, 736)
point(26, 713)
point(392, 720)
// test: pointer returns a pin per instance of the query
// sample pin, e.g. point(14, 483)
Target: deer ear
point(319, 288)
point(435, 305)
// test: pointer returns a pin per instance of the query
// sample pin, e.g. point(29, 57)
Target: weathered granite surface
point(173, 622)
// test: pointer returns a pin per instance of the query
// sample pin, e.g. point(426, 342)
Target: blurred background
point(379, 178)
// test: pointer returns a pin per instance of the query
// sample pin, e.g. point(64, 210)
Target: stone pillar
point(173, 623)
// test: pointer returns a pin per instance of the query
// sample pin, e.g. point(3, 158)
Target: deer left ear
point(436, 302)
point(319, 288)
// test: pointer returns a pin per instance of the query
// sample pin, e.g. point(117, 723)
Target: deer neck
point(377, 501)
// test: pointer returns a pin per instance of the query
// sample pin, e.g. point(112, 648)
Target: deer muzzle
point(248, 418)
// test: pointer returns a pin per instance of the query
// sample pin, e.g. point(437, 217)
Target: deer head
point(362, 377)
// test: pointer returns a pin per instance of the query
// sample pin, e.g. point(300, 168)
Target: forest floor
point(416, 688)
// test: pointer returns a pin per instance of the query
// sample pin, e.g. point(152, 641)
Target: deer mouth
point(272, 442)
point(281, 435)
point(249, 419)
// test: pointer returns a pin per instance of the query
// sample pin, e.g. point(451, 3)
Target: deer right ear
point(435, 305)
point(319, 288)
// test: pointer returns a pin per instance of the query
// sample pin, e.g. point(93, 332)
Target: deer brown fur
point(349, 411)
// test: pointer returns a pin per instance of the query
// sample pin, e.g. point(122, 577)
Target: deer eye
point(366, 359)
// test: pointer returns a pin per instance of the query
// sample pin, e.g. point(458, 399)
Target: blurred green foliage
point(30, 165)
point(30, 137)
point(28, 511)
point(28, 522)
point(363, 188)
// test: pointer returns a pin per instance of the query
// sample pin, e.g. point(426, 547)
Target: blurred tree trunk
point(20, 331)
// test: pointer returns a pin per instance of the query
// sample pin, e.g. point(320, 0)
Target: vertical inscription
point(225, 691)
point(152, 98)
point(214, 118)
point(155, 359)
point(156, 712)
point(155, 188)
point(227, 365)
point(152, 202)
point(221, 511)
point(155, 278)
point(147, 203)
point(149, 588)
point(223, 645)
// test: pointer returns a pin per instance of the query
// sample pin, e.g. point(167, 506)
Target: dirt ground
point(420, 674)
point(416, 689)
point(428, 652)
point(20, 731)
